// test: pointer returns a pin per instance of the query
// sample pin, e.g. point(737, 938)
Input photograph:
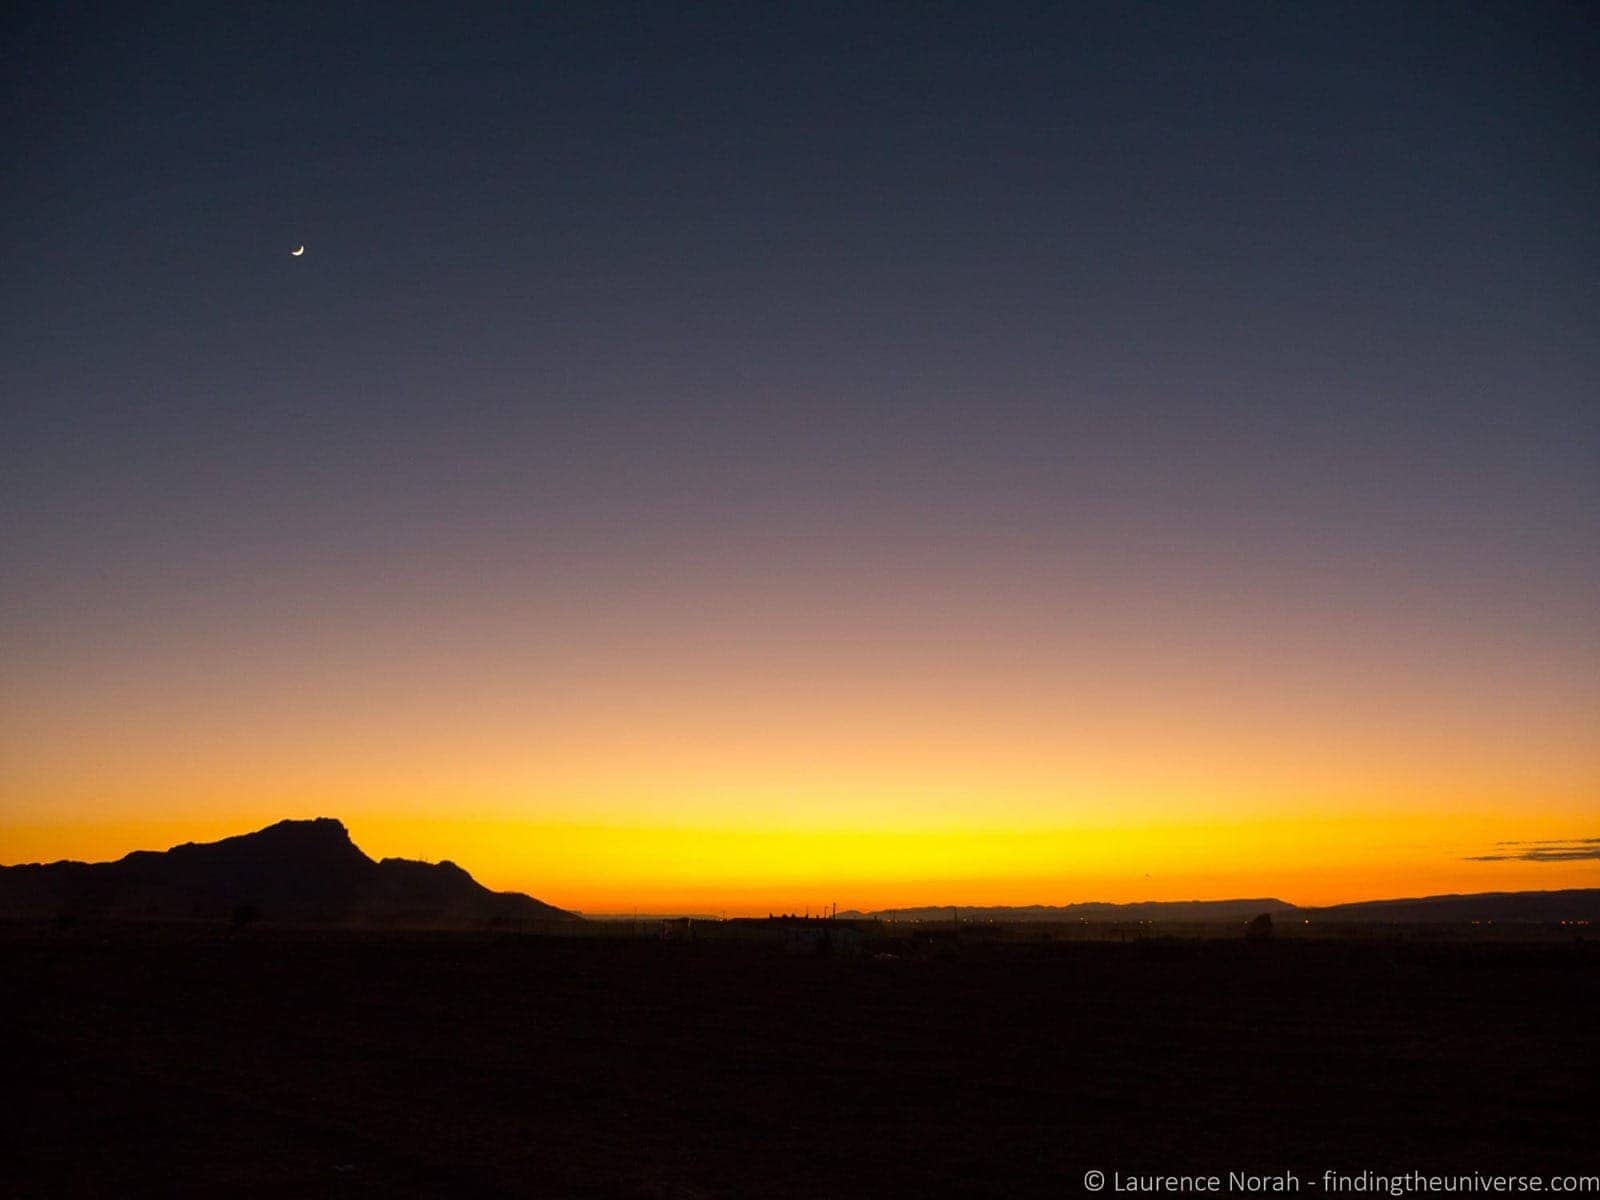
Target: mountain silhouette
point(1582, 904)
point(1572, 904)
point(296, 871)
point(1198, 911)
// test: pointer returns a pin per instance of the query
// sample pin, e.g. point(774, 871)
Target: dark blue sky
point(1284, 288)
point(1132, 433)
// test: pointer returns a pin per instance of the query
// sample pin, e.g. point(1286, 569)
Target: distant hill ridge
point(296, 871)
point(310, 871)
point(1574, 904)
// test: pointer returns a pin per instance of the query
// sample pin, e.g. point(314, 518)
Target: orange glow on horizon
point(753, 871)
point(779, 744)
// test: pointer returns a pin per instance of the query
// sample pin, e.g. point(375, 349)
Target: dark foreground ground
point(262, 1064)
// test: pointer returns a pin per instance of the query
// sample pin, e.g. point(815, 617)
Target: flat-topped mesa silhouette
point(295, 871)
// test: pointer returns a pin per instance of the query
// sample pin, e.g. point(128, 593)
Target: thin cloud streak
point(1553, 850)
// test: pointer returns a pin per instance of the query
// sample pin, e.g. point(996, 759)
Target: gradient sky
point(741, 457)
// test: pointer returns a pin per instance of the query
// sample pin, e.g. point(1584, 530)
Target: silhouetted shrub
point(242, 915)
point(1259, 928)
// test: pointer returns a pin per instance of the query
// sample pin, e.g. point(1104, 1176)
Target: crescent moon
point(299, 252)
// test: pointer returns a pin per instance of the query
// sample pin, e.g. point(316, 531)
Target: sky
point(746, 457)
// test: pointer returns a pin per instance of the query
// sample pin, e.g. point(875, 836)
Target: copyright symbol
point(1094, 1180)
